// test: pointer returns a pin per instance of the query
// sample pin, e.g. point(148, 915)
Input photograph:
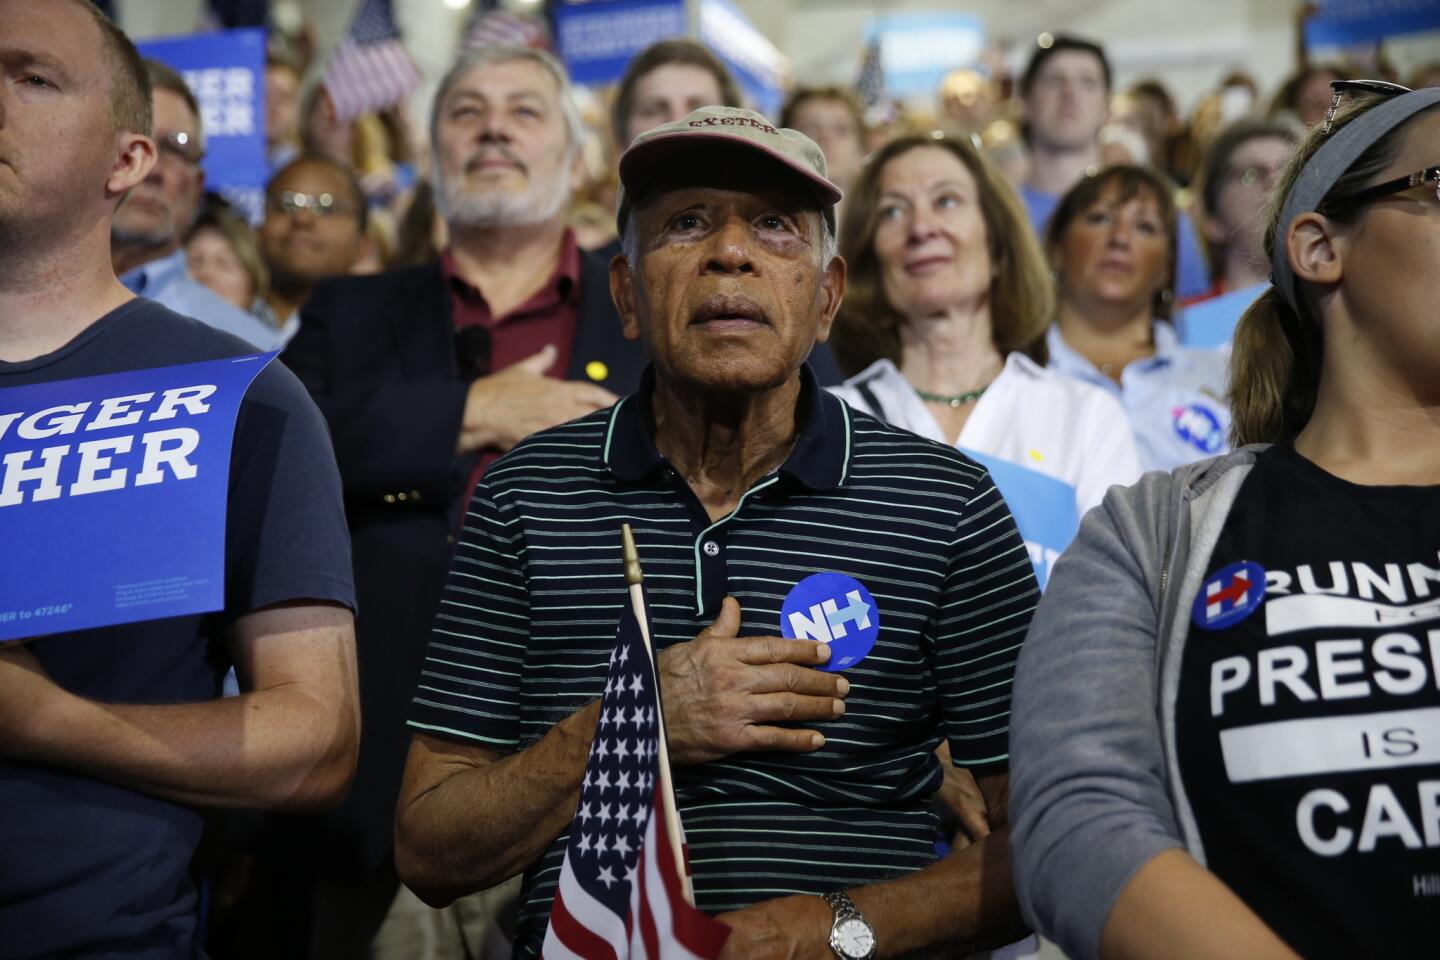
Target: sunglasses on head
point(1379, 88)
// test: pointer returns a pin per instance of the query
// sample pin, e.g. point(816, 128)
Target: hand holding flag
point(624, 888)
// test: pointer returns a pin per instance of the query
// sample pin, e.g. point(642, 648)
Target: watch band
point(844, 909)
point(843, 906)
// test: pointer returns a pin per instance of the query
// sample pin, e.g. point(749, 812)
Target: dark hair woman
point(1225, 740)
point(1112, 244)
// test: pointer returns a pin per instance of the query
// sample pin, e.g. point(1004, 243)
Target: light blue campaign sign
point(834, 609)
point(1043, 506)
point(597, 38)
point(917, 50)
point(113, 495)
point(1341, 23)
point(226, 72)
point(1211, 323)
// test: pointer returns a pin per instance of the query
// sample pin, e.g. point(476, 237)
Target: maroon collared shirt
point(548, 317)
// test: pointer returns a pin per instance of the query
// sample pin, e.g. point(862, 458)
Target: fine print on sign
point(113, 493)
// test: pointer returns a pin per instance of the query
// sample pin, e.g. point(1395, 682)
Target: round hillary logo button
point(1229, 595)
point(834, 609)
point(1199, 426)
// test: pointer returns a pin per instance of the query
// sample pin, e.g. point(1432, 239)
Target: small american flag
point(879, 107)
point(370, 69)
point(623, 891)
point(492, 27)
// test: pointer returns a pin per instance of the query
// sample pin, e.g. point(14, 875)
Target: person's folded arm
point(955, 906)
point(288, 742)
point(470, 817)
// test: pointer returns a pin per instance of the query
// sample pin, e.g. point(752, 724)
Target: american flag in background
point(622, 892)
point(370, 68)
point(490, 26)
point(879, 107)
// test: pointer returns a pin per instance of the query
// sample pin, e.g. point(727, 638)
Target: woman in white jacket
point(943, 333)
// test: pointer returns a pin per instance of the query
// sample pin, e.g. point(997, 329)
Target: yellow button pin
point(596, 370)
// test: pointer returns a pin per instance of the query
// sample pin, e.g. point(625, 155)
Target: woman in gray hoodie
point(1226, 730)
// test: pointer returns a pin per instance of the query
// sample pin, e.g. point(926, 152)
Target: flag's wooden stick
point(633, 579)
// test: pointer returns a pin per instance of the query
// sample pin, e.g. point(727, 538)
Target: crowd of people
point(1072, 386)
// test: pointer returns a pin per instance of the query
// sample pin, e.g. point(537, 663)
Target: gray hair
point(829, 244)
point(505, 53)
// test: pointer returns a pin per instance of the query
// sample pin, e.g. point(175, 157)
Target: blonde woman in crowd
point(943, 333)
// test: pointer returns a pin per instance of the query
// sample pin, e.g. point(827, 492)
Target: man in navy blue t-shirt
point(113, 740)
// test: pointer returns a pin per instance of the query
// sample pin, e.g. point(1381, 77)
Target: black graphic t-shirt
point(1308, 718)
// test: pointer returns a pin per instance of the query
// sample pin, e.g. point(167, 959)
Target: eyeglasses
point(1254, 174)
point(1389, 187)
point(181, 147)
point(321, 205)
point(1339, 88)
point(472, 351)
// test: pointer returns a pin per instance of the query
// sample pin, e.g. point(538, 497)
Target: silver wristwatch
point(851, 936)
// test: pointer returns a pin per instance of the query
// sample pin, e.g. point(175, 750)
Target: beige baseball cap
point(712, 129)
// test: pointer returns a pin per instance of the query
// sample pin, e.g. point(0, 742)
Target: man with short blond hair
point(114, 740)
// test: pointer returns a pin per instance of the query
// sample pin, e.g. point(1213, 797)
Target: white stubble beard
point(498, 208)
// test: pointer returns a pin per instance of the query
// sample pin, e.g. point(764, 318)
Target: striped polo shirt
point(535, 593)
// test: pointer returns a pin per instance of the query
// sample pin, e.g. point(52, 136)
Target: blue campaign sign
point(1340, 23)
point(597, 38)
point(834, 609)
point(918, 49)
point(226, 72)
point(1211, 323)
point(113, 493)
point(759, 67)
point(1043, 506)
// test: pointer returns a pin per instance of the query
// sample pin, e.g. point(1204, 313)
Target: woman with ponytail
point(1226, 718)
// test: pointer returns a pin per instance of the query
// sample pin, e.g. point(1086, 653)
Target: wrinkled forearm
point(466, 826)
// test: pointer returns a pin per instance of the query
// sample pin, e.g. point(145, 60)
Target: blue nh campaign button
point(834, 609)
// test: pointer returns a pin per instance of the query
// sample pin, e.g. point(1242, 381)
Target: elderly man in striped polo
point(804, 777)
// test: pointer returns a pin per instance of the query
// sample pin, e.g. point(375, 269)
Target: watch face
point(854, 938)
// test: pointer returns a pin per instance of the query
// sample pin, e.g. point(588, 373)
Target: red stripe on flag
point(697, 932)
point(648, 934)
point(576, 935)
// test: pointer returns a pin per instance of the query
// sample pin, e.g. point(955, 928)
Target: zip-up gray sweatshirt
point(1094, 781)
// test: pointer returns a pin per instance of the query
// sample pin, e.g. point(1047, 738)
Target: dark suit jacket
point(378, 355)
